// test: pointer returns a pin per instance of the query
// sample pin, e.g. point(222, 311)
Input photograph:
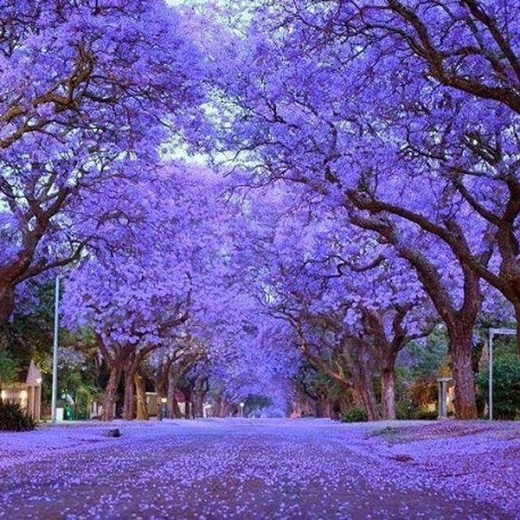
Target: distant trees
point(164, 300)
point(347, 318)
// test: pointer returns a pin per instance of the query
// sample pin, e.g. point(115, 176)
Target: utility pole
point(54, 399)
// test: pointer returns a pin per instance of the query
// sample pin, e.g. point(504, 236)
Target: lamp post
point(492, 334)
point(242, 409)
point(54, 398)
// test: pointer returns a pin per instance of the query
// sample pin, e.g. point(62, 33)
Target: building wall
point(28, 397)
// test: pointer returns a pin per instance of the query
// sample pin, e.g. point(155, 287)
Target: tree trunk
point(109, 402)
point(173, 381)
point(356, 397)
point(325, 407)
point(175, 410)
point(463, 377)
point(388, 393)
point(369, 402)
point(388, 380)
point(222, 407)
point(189, 403)
point(129, 401)
point(140, 390)
point(199, 395)
point(362, 380)
point(196, 406)
point(6, 303)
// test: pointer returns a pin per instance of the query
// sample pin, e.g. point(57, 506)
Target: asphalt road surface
point(250, 469)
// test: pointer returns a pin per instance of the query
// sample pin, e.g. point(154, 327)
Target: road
point(248, 469)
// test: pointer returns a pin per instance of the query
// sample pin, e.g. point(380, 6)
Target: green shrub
point(423, 414)
point(404, 409)
point(506, 387)
point(13, 418)
point(354, 415)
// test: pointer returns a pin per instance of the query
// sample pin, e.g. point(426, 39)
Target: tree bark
point(389, 354)
point(109, 402)
point(323, 407)
point(356, 353)
point(369, 401)
point(140, 388)
point(356, 397)
point(129, 401)
point(6, 303)
point(222, 407)
point(388, 393)
point(188, 392)
point(364, 392)
point(172, 386)
point(199, 395)
point(463, 377)
point(176, 411)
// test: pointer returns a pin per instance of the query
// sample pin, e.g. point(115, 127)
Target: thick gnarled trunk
point(358, 361)
point(463, 376)
point(109, 403)
point(368, 398)
point(141, 403)
point(172, 406)
point(388, 393)
point(363, 392)
point(129, 401)
point(222, 406)
point(131, 369)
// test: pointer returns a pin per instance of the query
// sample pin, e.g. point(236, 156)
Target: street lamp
point(242, 409)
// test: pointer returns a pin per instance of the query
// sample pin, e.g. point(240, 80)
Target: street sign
point(507, 332)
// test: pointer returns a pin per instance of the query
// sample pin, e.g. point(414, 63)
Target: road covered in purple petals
point(262, 469)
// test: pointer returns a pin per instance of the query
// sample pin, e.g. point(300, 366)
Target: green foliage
point(423, 392)
point(421, 363)
point(506, 387)
point(413, 403)
point(404, 409)
point(428, 359)
point(78, 379)
point(504, 346)
point(9, 367)
point(13, 418)
point(423, 414)
point(354, 415)
point(29, 334)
